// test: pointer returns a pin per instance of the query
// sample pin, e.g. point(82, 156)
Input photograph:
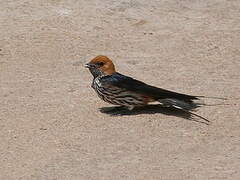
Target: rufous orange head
point(101, 65)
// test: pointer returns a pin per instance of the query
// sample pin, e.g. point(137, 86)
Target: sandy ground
point(50, 124)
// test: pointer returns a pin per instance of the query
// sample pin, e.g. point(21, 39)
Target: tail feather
point(183, 106)
point(211, 97)
point(179, 104)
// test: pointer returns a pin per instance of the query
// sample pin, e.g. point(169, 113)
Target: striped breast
point(118, 96)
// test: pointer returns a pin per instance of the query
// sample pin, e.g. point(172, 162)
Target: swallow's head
point(101, 65)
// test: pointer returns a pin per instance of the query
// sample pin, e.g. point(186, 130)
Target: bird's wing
point(133, 85)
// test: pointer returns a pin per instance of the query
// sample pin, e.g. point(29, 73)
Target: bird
point(118, 89)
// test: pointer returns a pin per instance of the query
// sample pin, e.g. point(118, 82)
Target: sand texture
point(51, 126)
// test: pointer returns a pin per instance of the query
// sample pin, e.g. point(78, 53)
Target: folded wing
point(136, 86)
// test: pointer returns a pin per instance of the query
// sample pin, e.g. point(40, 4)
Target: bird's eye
point(100, 63)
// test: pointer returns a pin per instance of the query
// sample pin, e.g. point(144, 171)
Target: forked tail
point(188, 105)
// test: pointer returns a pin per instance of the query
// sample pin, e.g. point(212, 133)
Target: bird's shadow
point(153, 109)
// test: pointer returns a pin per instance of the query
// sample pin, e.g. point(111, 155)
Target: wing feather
point(130, 84)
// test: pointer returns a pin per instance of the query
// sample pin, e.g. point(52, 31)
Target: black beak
point(88, 65)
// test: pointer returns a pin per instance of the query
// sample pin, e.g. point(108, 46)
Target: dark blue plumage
point(130, 84)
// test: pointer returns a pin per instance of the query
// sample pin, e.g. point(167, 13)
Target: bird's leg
point(118, 110)
point(130, 108)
